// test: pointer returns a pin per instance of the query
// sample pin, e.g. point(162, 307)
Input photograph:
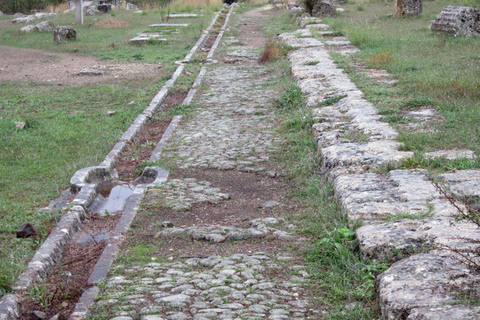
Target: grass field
point(67, 126)
point(432, 70)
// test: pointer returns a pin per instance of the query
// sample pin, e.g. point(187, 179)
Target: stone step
point(145, 38)
point(183, 15)
point(168, 25)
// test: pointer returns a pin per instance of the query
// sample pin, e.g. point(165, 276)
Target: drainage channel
point(103, 207)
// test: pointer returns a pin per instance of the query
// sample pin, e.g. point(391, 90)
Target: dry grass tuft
point(380, 59)
point(274, 50)
point(112, 23)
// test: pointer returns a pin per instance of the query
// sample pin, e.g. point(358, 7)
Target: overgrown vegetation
point(274, 50)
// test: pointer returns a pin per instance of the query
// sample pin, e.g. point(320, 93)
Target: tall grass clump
point(274, 50)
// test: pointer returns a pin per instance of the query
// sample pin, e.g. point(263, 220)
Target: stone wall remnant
point(410, 8)
point(457, 20)
point(131, 6)
point(64, 33)
point(323, 8)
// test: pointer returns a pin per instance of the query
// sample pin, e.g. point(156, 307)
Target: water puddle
point(112, 197)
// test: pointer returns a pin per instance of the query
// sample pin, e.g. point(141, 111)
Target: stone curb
point(196, 84)
point(110, 252)
point(420, 284)
point(220, 34)
point(166, 136)
point(52, 249)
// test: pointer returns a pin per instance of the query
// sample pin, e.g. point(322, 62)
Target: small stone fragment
point(45, 26)
point(270, 204)
point(20, 125)
point(38, 315)
point(131, 6)
point(64, 33)
point(167, 224)
point(26, 230)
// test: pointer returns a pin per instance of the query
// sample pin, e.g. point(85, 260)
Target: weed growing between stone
point(342, 279)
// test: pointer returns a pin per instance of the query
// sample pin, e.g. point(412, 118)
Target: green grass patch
point(68, 129)
point(112, 43)
point(330, 101)
point(436, 165)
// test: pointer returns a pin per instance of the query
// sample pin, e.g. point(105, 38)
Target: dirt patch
point(248, 192)
point(112, 23)
point(140, 149)
point(69, 278)
point(20, 64)
point(250, 31)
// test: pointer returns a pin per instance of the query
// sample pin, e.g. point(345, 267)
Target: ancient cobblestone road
point(228, 141)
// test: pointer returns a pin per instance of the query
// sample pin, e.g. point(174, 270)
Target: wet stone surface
point(182, 194)
point(234, 287)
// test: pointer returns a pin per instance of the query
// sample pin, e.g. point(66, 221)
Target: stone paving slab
point(421, 281)
point(373, 197)
point(445, 312)
point(464, 184)
point(391, 241)
point(233, 287)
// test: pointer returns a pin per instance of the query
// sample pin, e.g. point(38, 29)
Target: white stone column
point(79, 11)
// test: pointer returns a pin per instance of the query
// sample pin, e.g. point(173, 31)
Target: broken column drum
point(456, 20)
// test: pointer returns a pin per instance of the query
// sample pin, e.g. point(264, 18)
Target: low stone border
point(196, 84)
point(84, 181)
point(165, 137)
point(403, 213)
point(156, 176)
point(220, 34)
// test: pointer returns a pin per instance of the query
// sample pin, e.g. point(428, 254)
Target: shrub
point(274, 50)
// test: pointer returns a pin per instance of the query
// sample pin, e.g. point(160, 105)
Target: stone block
point(323, 8)
point(423, 281)
point(64, 33)
point(456, 20)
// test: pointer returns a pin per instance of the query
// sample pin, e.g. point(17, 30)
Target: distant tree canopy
point(25, 6)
